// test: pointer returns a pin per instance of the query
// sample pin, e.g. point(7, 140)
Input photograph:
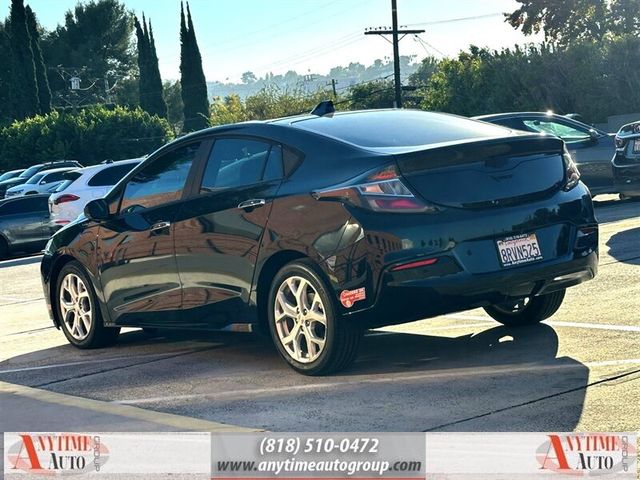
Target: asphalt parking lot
point(463, 372)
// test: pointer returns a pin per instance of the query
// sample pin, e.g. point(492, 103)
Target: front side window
point(557, 129)
point(235, 162)
point(160, 182)
point(35, 179)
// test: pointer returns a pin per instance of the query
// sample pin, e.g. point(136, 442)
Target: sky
point(308, 36)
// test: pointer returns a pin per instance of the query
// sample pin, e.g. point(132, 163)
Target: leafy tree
point(193, 82)
point(173, 99)
point(423, 73)
point(576, 20)
point(42, 79)
point(150, 83)
point(375, 94)
point(24, 86)
point(248, 77)
point(96, 35)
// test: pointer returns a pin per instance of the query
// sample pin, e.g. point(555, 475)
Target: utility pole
point(333, 87)
point(394, 32)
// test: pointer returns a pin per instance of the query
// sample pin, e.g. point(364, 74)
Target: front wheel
point(304, 324)
point(78, 311)
point(527, 310)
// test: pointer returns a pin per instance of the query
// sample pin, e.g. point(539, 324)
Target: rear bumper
point(402, 300)
point(627, 178)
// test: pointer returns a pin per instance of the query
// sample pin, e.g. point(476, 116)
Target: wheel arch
point(263, 284)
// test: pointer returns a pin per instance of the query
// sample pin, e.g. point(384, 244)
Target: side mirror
point(593, 134)
point(97, 210)
point(42, 182)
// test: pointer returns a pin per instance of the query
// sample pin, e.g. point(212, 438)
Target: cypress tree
point(150, 83)
point(158, 105)
point(143, 65)
point(42, 79)
point(23, 84)
point(192, 81)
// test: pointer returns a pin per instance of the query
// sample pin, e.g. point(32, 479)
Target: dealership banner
point(265, 455)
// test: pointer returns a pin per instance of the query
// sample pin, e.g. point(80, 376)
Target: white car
point(82, 185)
point(41, 182)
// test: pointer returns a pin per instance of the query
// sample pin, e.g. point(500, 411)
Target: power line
point(454, 20)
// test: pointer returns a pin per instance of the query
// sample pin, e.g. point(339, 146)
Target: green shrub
point(90, 136)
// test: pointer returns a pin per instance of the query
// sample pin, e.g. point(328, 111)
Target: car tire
point(528, 310)
point(302, 309)
point(4, 249)
point(78, 312)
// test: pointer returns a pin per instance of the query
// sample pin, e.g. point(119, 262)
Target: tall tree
point(97, 35)
point(159, 106)
point(6, 81)
point(569, 21)
point(42, 79)
point(192, 81)
point(24, 86)
point(150, 84)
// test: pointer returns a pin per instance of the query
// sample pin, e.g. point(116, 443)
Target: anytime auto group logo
point(56, 454)
point(591, 454)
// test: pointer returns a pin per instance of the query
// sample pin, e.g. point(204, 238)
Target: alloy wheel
point(300, 319)
point(75, 306)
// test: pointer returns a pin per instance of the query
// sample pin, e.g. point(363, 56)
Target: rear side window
point(161, 181)
point(236, 162)
point(111, 175)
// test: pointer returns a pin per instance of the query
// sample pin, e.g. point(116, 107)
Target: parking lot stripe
point(553, 323)
point(101, 360)
point(127, 411)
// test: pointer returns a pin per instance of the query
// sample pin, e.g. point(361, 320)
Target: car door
point(135, 252)
point(592, 155)
point(219, 230)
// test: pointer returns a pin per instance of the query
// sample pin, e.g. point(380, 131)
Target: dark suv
point(31, 171)
point(319, 226)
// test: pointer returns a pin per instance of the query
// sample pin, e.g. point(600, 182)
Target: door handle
point(160, 226)
point(253, 203)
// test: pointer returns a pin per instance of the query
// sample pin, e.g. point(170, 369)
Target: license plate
point(519, 249)
point(636, 146)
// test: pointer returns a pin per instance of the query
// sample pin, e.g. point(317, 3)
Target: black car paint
point(225, 256)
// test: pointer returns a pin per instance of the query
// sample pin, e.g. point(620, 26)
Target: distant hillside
point(345, 76)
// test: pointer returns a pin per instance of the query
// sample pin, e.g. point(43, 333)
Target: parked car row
point(35, 207)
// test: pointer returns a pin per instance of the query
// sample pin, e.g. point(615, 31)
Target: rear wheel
point(527, 310)
point(78, 311)
point(304, 324)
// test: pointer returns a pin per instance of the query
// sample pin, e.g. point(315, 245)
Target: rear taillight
point(67, 197)
point(382, 191)
point(572, 175)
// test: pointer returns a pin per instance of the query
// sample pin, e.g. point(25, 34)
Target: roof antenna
point(324, 108)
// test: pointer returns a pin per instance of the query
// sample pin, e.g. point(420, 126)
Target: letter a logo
point(27, 443)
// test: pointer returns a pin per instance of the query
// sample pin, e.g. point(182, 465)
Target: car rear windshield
point(69, 178)
point(398, 128)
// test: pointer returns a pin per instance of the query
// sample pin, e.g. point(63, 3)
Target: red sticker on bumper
point(349, 297)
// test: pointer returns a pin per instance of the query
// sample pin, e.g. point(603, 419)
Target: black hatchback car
point(317, 227)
